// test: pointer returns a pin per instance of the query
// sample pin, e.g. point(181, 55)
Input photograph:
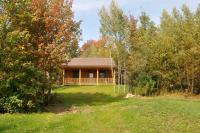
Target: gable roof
point(90, 62)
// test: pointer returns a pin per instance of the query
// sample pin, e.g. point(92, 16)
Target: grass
point(97, 109)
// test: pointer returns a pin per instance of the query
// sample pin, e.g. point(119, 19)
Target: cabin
point(89, 71)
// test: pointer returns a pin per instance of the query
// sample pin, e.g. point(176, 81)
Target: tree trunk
point(124, 77)
point(118, 74)
point(49, 95)
point(187, 77)
point(192, 85)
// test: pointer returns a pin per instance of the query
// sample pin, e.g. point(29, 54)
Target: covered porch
point(88, 76)
point(89, 71)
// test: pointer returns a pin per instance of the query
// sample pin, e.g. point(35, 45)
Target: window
point(91, 75)
point(75, 74)
point(102, 74)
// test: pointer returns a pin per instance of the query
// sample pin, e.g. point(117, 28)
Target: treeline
point(94, 48)
point(36, 36)
point(154, 58)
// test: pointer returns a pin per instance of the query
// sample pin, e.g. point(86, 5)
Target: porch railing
point(89, 81)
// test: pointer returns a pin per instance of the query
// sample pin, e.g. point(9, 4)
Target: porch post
point(114, 77)
point(63, 76)
point(79, 77)
point(97, 76)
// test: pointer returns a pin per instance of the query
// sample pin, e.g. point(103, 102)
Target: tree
point(142, 41)
point(20, 84)
point(113, 28)
point(161, 58)
point(55, 34)
point(95, 49)
point(178, 35)
point(36, 37)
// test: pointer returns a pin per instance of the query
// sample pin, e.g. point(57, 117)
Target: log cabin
point(89, 71)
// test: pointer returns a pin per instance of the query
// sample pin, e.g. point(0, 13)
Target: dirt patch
point(59, 109)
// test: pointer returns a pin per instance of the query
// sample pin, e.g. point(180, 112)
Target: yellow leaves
point(35, 19)
point(17, 36)
point(21, 47)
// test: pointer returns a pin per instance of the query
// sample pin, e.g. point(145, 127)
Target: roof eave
point(76, 67)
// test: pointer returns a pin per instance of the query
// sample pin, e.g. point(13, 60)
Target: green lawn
point(97, 109)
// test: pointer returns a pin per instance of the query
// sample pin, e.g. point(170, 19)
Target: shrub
point(11, 104)
point(23, 87)
point(144, 85)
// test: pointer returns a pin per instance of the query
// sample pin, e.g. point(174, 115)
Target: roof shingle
point(91, 62)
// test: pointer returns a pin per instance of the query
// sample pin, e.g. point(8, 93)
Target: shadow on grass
point(66, 87)
point(62, 102)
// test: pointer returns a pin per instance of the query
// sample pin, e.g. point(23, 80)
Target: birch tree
point(113, 28)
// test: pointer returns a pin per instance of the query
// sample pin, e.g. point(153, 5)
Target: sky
point(87, 12)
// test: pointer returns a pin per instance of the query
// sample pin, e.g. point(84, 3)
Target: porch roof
point(90, 63)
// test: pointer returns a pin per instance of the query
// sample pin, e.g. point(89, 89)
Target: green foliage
point(32, 47)
point(168, 53)
point(95, 49)
point(114, 25)
point(22, 83)
point(11, 104)
point(144, 85)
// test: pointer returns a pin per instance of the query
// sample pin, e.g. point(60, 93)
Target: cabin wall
point(108, 74)
point(68, 73)
point(85, 79)
point(85, 73)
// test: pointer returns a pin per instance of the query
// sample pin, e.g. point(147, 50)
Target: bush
point(23, 89)
point(144, 85)
point(196, 91)
point(11, 104)
point(14, 104)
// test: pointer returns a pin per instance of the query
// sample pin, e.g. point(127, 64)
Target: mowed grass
point(97, 109)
